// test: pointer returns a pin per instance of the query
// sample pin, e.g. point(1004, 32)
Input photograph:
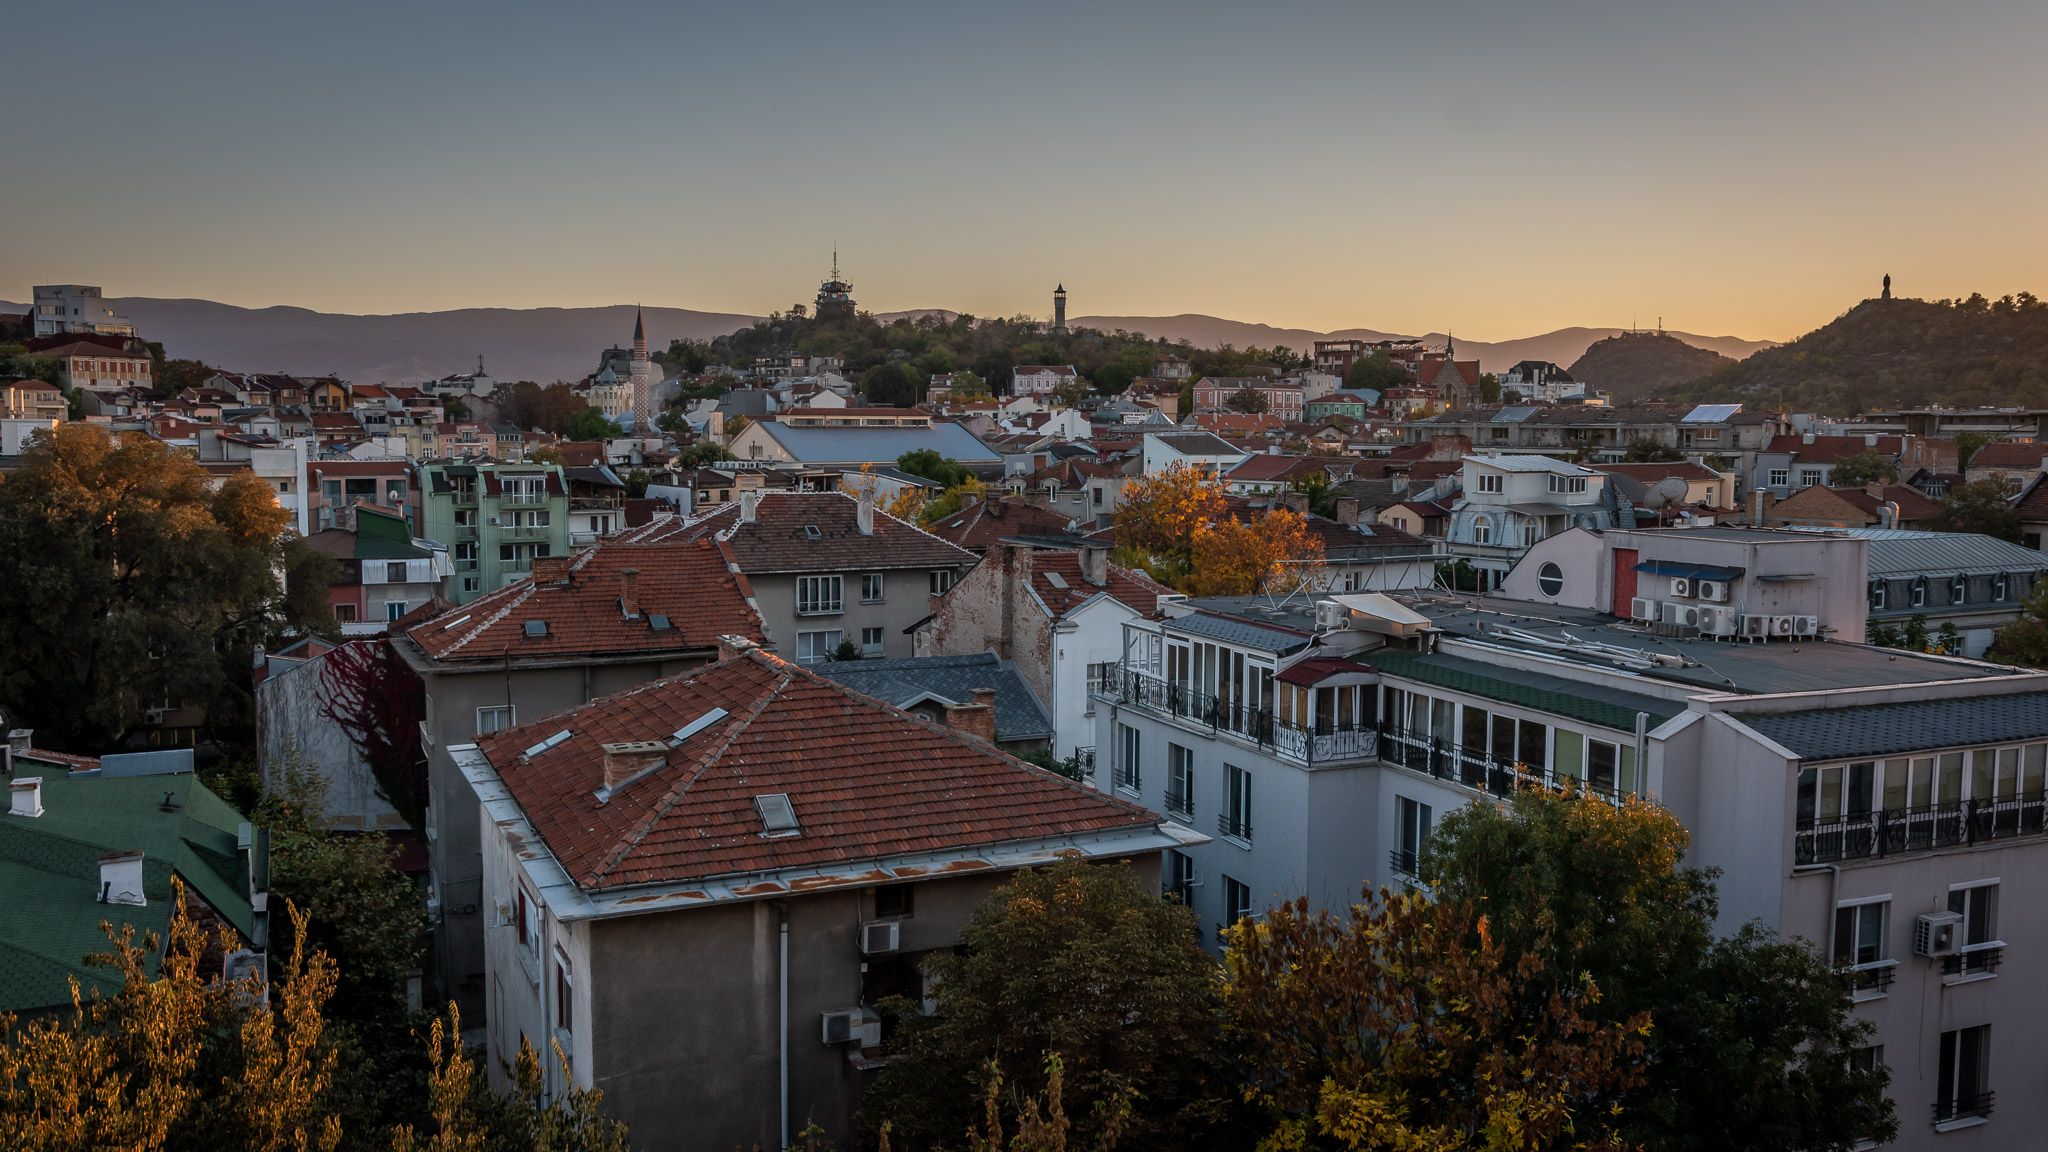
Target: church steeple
point(639, 335)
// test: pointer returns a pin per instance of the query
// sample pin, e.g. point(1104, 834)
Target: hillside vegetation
point(1891, 353)
point(1638, 364)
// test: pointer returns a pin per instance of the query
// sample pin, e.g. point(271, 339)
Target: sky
point(1498, 169)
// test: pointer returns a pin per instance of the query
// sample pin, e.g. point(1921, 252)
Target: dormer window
point(1958, 589)
point(1920, 592)
point(2001, 586)
point(1490, 482)
point(1877, 595)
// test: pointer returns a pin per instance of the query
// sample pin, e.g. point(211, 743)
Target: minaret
point(643, 378)
point(1059, 308)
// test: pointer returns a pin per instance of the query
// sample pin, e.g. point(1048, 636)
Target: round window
point(1550, 578)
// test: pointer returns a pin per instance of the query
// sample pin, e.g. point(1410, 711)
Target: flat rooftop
point(1735, 666)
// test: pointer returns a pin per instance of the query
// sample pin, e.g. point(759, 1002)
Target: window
point(1860, 944)
point(894, 901)
point(495, 718)
point(1977, 904)
point(1779, 478)
point(871, 588)
point(818, 595)
point(1237, 901)
point(565, 992)
point(1180, 781)
point(1128, 745)
point(1482, 531)
point(1490, 482)
point(465, 518)
point(942, 579)
point(1236, 820)
point(471, 583)
point(817, 647)
point(1958, 590)
point(393, 610)
point(1808, 477)
point(524, 922)
point(1550, 578)
point(344, 613)
point(2001, 587)
point(523, 488)
point(1877, 594)
point(394, 572)
point(1180, 876)
point(1920, 592)
point(1965, 1075)
point(1416, 821)
point(871, 642)
point(465, 552)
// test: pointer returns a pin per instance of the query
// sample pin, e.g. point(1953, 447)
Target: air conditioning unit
point(1331, 615)
point(1717, 621)
point(1682, 615)
point(1781, 626)
point(1756, 626)
point(1805, 625)
point(1715, 590)
point(154, 715)
point(843, 1025)
point(1937, 934)
point(1641, 609)
point(1680, 586)
point(883, 936)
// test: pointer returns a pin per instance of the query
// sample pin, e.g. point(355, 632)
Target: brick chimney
point(1347, 511)
point(1094, 559)
point(551, 569)
point(121, 879)
point(1295, 500)
point(629, 758)
point(977, 719)
point(730, 646)
point(25, 796)
point(629, 593)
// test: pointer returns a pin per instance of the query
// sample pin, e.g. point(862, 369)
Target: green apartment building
point(494, 518)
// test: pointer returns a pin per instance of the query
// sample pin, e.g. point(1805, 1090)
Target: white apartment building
point(1886, 807)
point(1511, 502)
point(1040, 379)
point(61, 309)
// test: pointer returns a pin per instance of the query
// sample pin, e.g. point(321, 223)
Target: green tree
point(1248, 400)
point(968, 386)
point(1489, 388)
point(2025, 640)
point(1650, 450)
point(1866, 467)
point(1917, 635)
point(309, 577)
point(1378, 372)
point(891, 384)
point(1979, 506)
point(1598, 890)
point(1080, 961)
point(131, 579)
point(701, 454)
point(590, 424)
point(929, 464)
point(1967, 444)
point(553, 408)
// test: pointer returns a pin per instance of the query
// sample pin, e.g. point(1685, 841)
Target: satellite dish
point(1665, 493)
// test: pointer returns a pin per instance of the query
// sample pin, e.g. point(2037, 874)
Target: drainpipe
point(1642, 754)
point(782, 1018)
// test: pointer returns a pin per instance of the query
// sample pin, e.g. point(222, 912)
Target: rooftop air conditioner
point(1937, 934)
point(1756, 626)
point(1805, 625)
point(1642, 609)
point(1715, 590)
point(1330, 615)
point(1680, 586)
point(1717, 621)
point(880, 937)
point(1781, 626)
point(1683, 615)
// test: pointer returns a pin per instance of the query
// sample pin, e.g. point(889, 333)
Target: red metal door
point(1624, 581)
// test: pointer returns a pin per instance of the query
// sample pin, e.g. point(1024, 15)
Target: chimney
point(121, 879)
point(25, 796)
point(627, 759)
point(629, 593)
point(1347, 511)
point(1298, 501)
point(20, 740)
point(730, 646)
point(750, 503)
point(1094, 559)
point(550, 570)
point(864, 510)
point(977, 719)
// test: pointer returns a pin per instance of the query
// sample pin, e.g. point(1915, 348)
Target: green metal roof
point(1611, 708)
point(50, 912)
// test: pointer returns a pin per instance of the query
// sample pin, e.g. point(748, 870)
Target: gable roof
point(780, 538)
point(867, 782)
point(948, 680)
point(2009, 454)
point(984, 522)
point(825, 444)
point(685, 581)
point(1127, 586)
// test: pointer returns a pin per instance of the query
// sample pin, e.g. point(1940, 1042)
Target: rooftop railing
point(1897, 831)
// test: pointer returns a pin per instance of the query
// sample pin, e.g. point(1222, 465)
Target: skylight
point(548, 743)
point(658, 622)
point(458, 622)
point(1056, 580)
point(778, 818)
point(696, 726)
point(535, 629)
point(811, 531)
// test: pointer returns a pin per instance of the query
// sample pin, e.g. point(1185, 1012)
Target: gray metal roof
point(1889, 729)
point(1242, 633)
point(1903, 552)
point(1710, 414)
point(948, 679)
point(879, 445)
point(1514, 415)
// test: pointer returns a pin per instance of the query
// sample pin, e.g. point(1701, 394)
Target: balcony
point(1405, 862)
point(1235, 826)
point(1256, 727)
point(1973, 960)
point(1867, 981)
point(1179, 803)
point(1971, 1107)
point(1899, 831)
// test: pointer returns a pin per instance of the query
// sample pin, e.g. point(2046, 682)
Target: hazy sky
point(1745, 168)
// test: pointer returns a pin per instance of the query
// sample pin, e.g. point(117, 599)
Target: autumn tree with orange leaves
point(1272, 554)
point(1177, 525)
point(1395, 1025)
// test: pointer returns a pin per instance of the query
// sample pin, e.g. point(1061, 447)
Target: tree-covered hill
point(1887, 353)
point(1633, 365)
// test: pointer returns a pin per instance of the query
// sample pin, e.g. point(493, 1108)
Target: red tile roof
point(867, 782)
point(1913, 503)
point(2009, 454)
point(778, 540)
point(1129, 587)
point(985, 522)
point(686, 581)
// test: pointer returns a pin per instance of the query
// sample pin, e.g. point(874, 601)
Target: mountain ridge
point(548, 344)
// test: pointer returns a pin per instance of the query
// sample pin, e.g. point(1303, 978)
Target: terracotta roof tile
point(1133, 589)
point(866, 781)
point(779, 538)
point(985, 522)
point(2009, 454)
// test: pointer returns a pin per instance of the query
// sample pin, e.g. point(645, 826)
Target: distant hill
point(1562, 346)
point(1888, 353)
point(1638, 364)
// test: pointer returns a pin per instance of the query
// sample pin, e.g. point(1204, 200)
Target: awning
point(1689, 571)
point(1383, 614)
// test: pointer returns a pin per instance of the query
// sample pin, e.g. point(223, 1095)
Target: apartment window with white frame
point(870, 643)
point(1482, 531)
point(1129, 743)
point(818, 647)
point(1878, 594)
point(495, 718)
point(1236, 818)
point(942, 579)
point(1920, 592)
point(565, 992)
point(1417, 819)
point(1977, 904)
point(1779, 478)
point(1860, 946)
point(1180, 876)
point(1963, 1091)
point(1491, 482)
point(818, 595)
point(1237, 901)
point(871, 588)
point(1808, 477)
point(1180, 781)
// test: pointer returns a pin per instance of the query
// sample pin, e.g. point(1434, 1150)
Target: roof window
point(778, 817)
point(552, 741)
point(536, 629)
point(811, 532)
point(695, 726)
point(658, 622)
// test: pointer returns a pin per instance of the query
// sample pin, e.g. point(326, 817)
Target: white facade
point(1040, 379)
point(66, 308)
point(1198, 450)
